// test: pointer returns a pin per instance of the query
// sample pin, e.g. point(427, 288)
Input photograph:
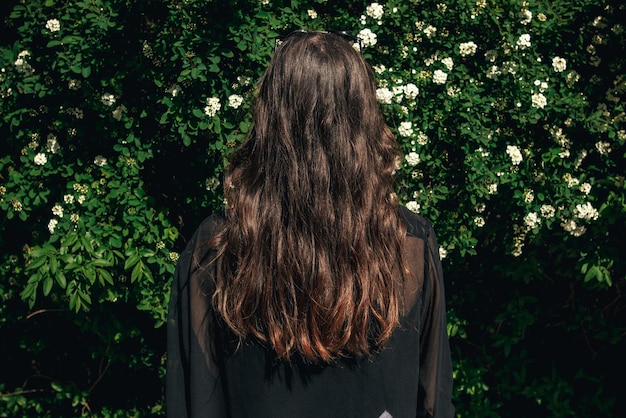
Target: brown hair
point(310, 256)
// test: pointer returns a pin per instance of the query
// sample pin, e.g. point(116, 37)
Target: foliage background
point(112, 153)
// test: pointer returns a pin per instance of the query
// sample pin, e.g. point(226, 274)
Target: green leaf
point(47, 285)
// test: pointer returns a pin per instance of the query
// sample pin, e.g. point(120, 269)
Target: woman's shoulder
point(209, 227)
point(417, 225)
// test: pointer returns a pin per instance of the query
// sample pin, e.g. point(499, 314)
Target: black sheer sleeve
point(193, 386)
point(435, 373)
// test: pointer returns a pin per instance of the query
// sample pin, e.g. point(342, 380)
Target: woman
point(316, 294)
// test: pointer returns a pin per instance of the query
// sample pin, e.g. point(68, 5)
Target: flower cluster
point(53, 25)
point(515, 154)
point(412, 158)
point(375, 11)
point(467, 48)
point(212, 106)
point(368, 38)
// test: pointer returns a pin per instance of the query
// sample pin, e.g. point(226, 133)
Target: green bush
point(117, 118)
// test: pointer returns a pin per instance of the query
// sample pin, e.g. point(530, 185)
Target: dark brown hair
point(310, 256)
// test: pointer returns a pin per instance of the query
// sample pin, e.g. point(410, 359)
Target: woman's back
point(315, 294)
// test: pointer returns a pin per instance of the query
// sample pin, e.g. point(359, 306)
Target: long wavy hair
point(310, 256)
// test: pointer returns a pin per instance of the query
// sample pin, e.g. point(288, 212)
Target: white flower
point(68, 198)
point(448, 63)
point(99, 160)
point(531, 220)
point(81, 199)
point(406, 129)
point(559, 64)
point(585, 188)
point(107, 99)
point(375, 11)
point(312, 13)
point(40, 159)
point(57, 210)
point(212, 106)
point(528, 196)
point(413, 206)
point(492, 188)
point(117, 113)
point(74, 217)
point(440, 77)
point(523, 41)
point(235, 100)
point(368, 38)
point(52, 145)
point(538, 100)
point(479, 221)
point(571, 181)
point(467, 48)
point(52, 224)
point(430, 31)
point(384, 95)
point(514, 152)
point(412, 158)
point(526, 15)
point(547, 211)
point(443, 253)
point(422, 138)
point(53, 25)
point(571, 227)
point(586, 212)
point(603, 147)
point(411, 91)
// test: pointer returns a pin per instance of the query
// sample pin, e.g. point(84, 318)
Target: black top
point(209, 376)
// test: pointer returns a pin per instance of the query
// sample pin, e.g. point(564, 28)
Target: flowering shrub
point(118, 117)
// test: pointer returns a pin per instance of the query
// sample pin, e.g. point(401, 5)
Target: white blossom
point(443, 253)
point(570, 180)
point(235, 100)
point(526, 16)
point(467, 48)
point(528, 196)
point(68, 199)
point(312, 13)
point(40, 159)
point(368, 38)
point(52, 145)
point(412, 158)
point(99, 160)
point(479, 221)
point(492, 188)
point(559, 64)
point(422, 138)
point(52, 225)
point(57, 210)
point(413, 206)
point(531, 220)
point(53, 25)
point(603, 147)
point(405, 129)
point(74, 218)
point(107, 99)
point(440, 77)
point(430, 31)
point(384, 95)
point(586, 212)
point(515, 154)
point(538, 100)
point(573, 228)
point(547, 211)
point(585, 188)
point(448, 63)
point(523, 41)
point(375, 11)
point(212, 106)
point(411, 91)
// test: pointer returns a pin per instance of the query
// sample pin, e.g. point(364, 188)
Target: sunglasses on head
point(342, 33)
